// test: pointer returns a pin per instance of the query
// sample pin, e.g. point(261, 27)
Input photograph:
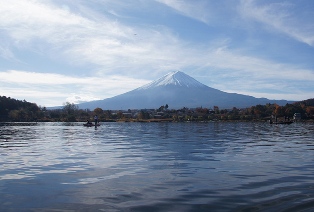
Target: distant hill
point(178, 90)
point(16, 108)
point(308, 102)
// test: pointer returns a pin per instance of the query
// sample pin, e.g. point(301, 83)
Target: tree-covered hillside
point(17, 110)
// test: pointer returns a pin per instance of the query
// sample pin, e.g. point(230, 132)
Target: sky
point(57, 51)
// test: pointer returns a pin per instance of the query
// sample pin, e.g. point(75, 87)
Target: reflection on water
point(157, 166)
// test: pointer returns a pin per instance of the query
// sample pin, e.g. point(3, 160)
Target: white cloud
point(193, 9)
point(27, 20)
point(230, 71)
point(80, 98)
point(279, 17)
point(45, 87)
point(116, 47)
point(6, 53)
point(241, 66)
point(99, 41)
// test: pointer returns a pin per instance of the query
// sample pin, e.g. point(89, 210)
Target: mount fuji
point(178, 90)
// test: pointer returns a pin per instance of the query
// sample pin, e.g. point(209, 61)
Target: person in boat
point(96, 119)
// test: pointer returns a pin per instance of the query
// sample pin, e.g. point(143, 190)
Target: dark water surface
point(157, 167)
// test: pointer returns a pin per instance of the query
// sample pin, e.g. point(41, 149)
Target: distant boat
point(281, 122)
point(90, 125)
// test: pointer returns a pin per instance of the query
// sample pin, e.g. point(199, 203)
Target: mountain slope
point(177, 90)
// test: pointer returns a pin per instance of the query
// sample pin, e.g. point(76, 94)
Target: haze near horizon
point(54, 52)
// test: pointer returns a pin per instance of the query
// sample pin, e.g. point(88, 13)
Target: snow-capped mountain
point(176, 78)
point(178, 90)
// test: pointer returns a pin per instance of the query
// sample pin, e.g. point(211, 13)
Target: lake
point(157, 167)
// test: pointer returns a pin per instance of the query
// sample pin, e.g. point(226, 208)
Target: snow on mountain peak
point(176, 78)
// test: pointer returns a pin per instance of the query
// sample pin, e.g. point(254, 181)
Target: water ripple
point(157, 166)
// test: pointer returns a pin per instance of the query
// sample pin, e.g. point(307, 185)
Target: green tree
point(70, 108)
point(98, 111)
point(108, 114)
point(70, 112)
point(143, 115)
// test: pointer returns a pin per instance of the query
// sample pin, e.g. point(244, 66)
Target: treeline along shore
point(12, 110)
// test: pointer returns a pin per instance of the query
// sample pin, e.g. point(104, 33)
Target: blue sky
point(55, 51)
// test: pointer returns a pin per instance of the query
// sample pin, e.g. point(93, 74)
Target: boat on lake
point(281, 122)
point(91, 125)
point(286, 120)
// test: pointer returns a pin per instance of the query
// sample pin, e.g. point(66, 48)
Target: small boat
point(90, 125)
point(285, 122)
point(282, 122)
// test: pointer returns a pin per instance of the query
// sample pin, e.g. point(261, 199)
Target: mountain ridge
point(178, 90)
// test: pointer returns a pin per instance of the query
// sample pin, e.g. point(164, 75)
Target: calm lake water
point(157, 167)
